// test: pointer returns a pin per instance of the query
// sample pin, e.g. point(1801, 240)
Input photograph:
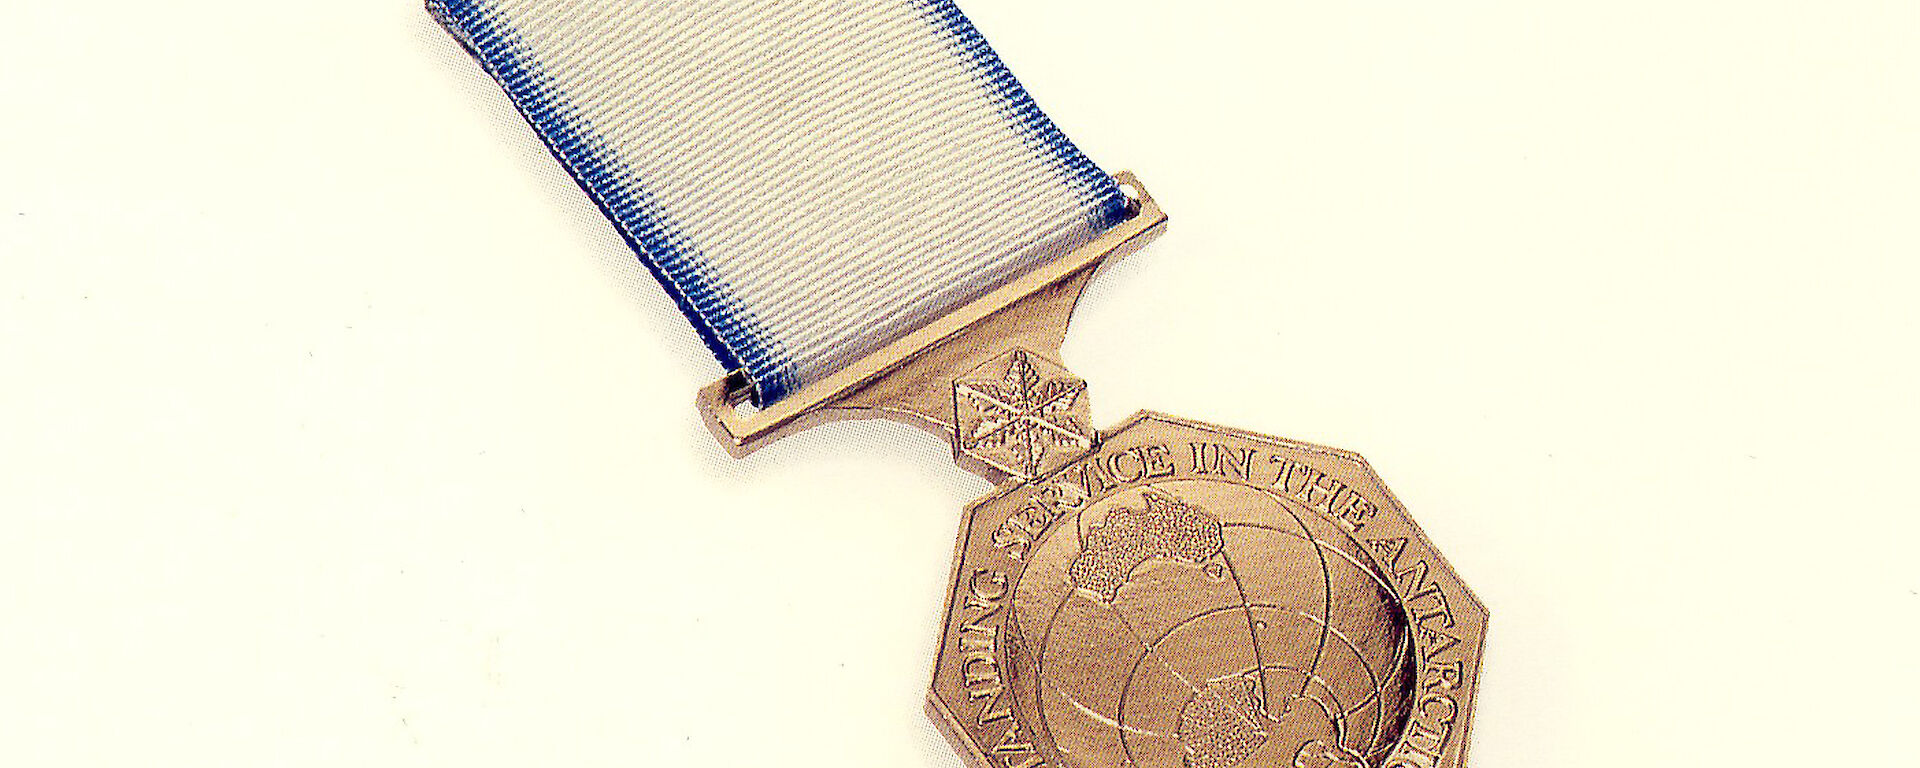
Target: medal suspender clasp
point(912, 379)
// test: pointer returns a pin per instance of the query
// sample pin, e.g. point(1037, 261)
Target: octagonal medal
point(1189, 596)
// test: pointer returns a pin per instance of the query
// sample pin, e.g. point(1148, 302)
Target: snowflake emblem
point(1022, 414)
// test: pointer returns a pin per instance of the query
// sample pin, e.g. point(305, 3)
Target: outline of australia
point(1168, 528)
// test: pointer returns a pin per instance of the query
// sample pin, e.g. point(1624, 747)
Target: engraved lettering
point(978, 643)
point(1323, 493)
point(1284, 482)
point(1435, 642)
point(1424, 738)
point(1222, 460)
point(987, 586)
point(1036, 518)
point(1012, 742)
point(981, 670)
point(1023, 520)
point(1320, 493)
point(1061, 497)
point(1237, 463)
point(1307, 476)
point(993, 710)
point(1016, 534)
point(1159, 460)
point(1356, 512)
point(1417, 584)
point(1446, 676)
point(1012, 541)
point(1438, 708)
point(1426, 601)
point(1389, 550)
point(1441, 611)
point(1093, 480)
point(1126, 466)
point(1014, 750)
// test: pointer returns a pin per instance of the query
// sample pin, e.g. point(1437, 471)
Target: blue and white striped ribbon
point(809, 179)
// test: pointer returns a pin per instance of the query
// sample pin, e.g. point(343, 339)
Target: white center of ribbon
point(809, 180)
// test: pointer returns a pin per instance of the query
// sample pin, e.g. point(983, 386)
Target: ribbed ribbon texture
point(809, 180)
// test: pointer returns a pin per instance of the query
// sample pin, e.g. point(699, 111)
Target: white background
point(336, 428)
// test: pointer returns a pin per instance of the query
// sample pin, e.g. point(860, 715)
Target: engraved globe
point(1205, 624)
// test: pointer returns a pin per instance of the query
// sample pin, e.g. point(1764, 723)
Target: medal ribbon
point(809, 180)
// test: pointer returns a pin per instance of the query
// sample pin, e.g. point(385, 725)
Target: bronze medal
point(1164, 593)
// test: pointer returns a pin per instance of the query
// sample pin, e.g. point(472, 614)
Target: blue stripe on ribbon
point(674, 261)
